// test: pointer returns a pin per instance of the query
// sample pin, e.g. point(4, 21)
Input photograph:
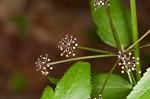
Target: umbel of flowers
point(128, 63)
point(67, 45)
point(42, 64)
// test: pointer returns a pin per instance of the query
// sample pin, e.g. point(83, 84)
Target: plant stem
point(133, 79)
point(82, 58)
point(129, 76)
point(116, 38)
point(141, 38)
point(94, 50)
point(101, 92)
point(135, 34)
point(143, 46)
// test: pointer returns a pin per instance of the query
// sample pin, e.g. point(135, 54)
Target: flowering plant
point(116, 28)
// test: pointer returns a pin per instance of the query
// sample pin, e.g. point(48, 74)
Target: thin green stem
point(94, 50)
point(116, 38)
point(129, 76)
point(130, 47)
point(82, 58)
point(104, 84)
point(133, 79)
point(143, 46)
point(135, 34)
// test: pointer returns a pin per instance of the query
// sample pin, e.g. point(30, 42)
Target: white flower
point(42, 64)
point(98, 3)
point(128, 63)
point(67, 45)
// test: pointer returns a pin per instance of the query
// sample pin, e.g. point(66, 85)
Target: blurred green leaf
point(116, 88)
point(142, 89)
point(18, 81)
point(147, 58)
point(121, 19)
point(22, 22)
point(48, 93)
point(92, 35)
point(53, 80)
point(75, 84)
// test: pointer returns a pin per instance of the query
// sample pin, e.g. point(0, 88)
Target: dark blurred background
point(29, 28)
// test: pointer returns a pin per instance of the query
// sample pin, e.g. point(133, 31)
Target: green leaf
point(142, 89)
point(116, 88)
point(48, 93)
point(53, 80)
point(75, 84)
point(121, 19)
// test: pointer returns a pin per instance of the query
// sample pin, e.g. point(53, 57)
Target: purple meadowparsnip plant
point(127, 61)
point(67, 45)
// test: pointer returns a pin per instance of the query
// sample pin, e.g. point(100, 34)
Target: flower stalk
point(94, 50)
point(141, 38)
point(81, 58)
point(107, 78)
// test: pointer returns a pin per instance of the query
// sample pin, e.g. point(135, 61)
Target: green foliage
point(116, 88)
point(75, 84)
point(18, 81)
point(22, 22)
point(142, 89)
point(48, 93)
point(121, 18)
point(147, 58)
point(53, 80)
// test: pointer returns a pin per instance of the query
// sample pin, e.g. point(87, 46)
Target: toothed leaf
point(121, 19)
point(142, 89)
point(75, 84)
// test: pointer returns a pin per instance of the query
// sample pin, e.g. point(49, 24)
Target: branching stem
point(130, 47)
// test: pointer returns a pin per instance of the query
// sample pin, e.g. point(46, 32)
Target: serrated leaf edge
point(147, 72)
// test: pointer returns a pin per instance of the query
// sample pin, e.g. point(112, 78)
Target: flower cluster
point(128, 63)
point(67, 45)
point(98, 3)
point(42, 64)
